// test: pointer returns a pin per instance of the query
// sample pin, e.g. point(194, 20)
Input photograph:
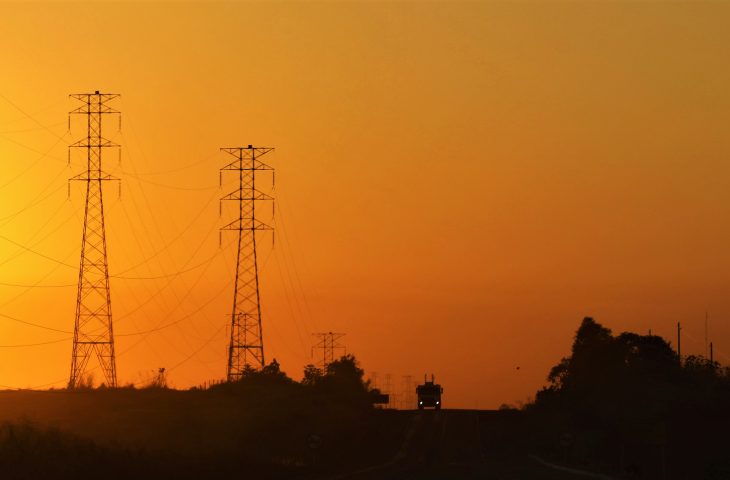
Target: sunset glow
point(457, 185)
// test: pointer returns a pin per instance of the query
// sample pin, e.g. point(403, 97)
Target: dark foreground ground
point(462, 444)
point(173, 434)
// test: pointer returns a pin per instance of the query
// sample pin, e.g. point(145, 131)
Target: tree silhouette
point(312, 375)
point(343, 378)
point(629, 393)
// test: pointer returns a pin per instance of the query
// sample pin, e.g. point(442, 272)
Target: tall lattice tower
point(246, 348)
point(93, 332)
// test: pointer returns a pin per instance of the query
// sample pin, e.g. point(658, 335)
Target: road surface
point(460, 444)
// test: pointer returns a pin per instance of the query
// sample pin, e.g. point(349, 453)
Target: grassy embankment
point(263, 425)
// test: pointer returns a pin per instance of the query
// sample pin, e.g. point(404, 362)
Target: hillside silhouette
point(624, 405)
point(275, 426)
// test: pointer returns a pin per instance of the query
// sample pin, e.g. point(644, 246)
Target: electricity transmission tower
point(93, 332)
point(388, 389)
point(374, 380)
point(408, 396)
point(328, 343)
point(246, 348)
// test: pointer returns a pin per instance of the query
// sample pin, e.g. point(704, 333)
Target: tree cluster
point(341, 380)
point(629, 399)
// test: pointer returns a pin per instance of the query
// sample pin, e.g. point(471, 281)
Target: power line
point(23, 345)
point(36, 201)
point(121, 277)
point(31, 117)
point(26, 130)
point(185, 317)
point(179, 300)
point(166, 247)
point(285, 235)
point(32, 149)
point(28, 285)
point(173, 187)
point(25, 322)
point(36, 252)
point(174, 170)
point(195, 352)
point(169, 275)
point(32, 164)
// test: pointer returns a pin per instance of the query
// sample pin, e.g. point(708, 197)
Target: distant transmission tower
point(408, 395)
point(328, 343)
point(388, 389)
point(93, 332)
point(246, 348)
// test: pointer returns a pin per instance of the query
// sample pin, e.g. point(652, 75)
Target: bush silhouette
point(631, 393)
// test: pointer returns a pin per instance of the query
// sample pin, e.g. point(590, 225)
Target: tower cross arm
point(238, 225)
point(86, 177)
point(257, 195)
point(257, 165)
point(85, 143)
point(249, 151)
point(100, 106)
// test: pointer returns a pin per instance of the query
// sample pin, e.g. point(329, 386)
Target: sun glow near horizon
point(457, 184)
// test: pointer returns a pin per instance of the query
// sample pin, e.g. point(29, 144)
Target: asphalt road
point(459, 444)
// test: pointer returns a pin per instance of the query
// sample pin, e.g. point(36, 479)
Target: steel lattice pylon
point(328, 343)
point(246, 348)
point(93, 332)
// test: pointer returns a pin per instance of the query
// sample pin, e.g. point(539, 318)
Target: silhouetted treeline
point(628, 405)
point(273, 425)
point(342, 381)
point(334, 405)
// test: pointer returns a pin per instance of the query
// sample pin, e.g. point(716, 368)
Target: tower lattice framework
point(329, 343)
point(93, 331)
point(246, 347)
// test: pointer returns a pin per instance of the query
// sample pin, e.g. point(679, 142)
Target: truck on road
point(429, 394)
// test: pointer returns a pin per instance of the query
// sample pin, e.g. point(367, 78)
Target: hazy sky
point(458, 184)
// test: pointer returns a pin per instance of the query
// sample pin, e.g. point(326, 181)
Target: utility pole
point(93, 331)
point(712, 357)
point(246, 347)
point(328, 343)
point(707, 318)
point(679, 342)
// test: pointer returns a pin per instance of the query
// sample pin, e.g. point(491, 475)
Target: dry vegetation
point(264, 422)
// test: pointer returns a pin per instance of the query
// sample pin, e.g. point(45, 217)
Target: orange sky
point(458, 184)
